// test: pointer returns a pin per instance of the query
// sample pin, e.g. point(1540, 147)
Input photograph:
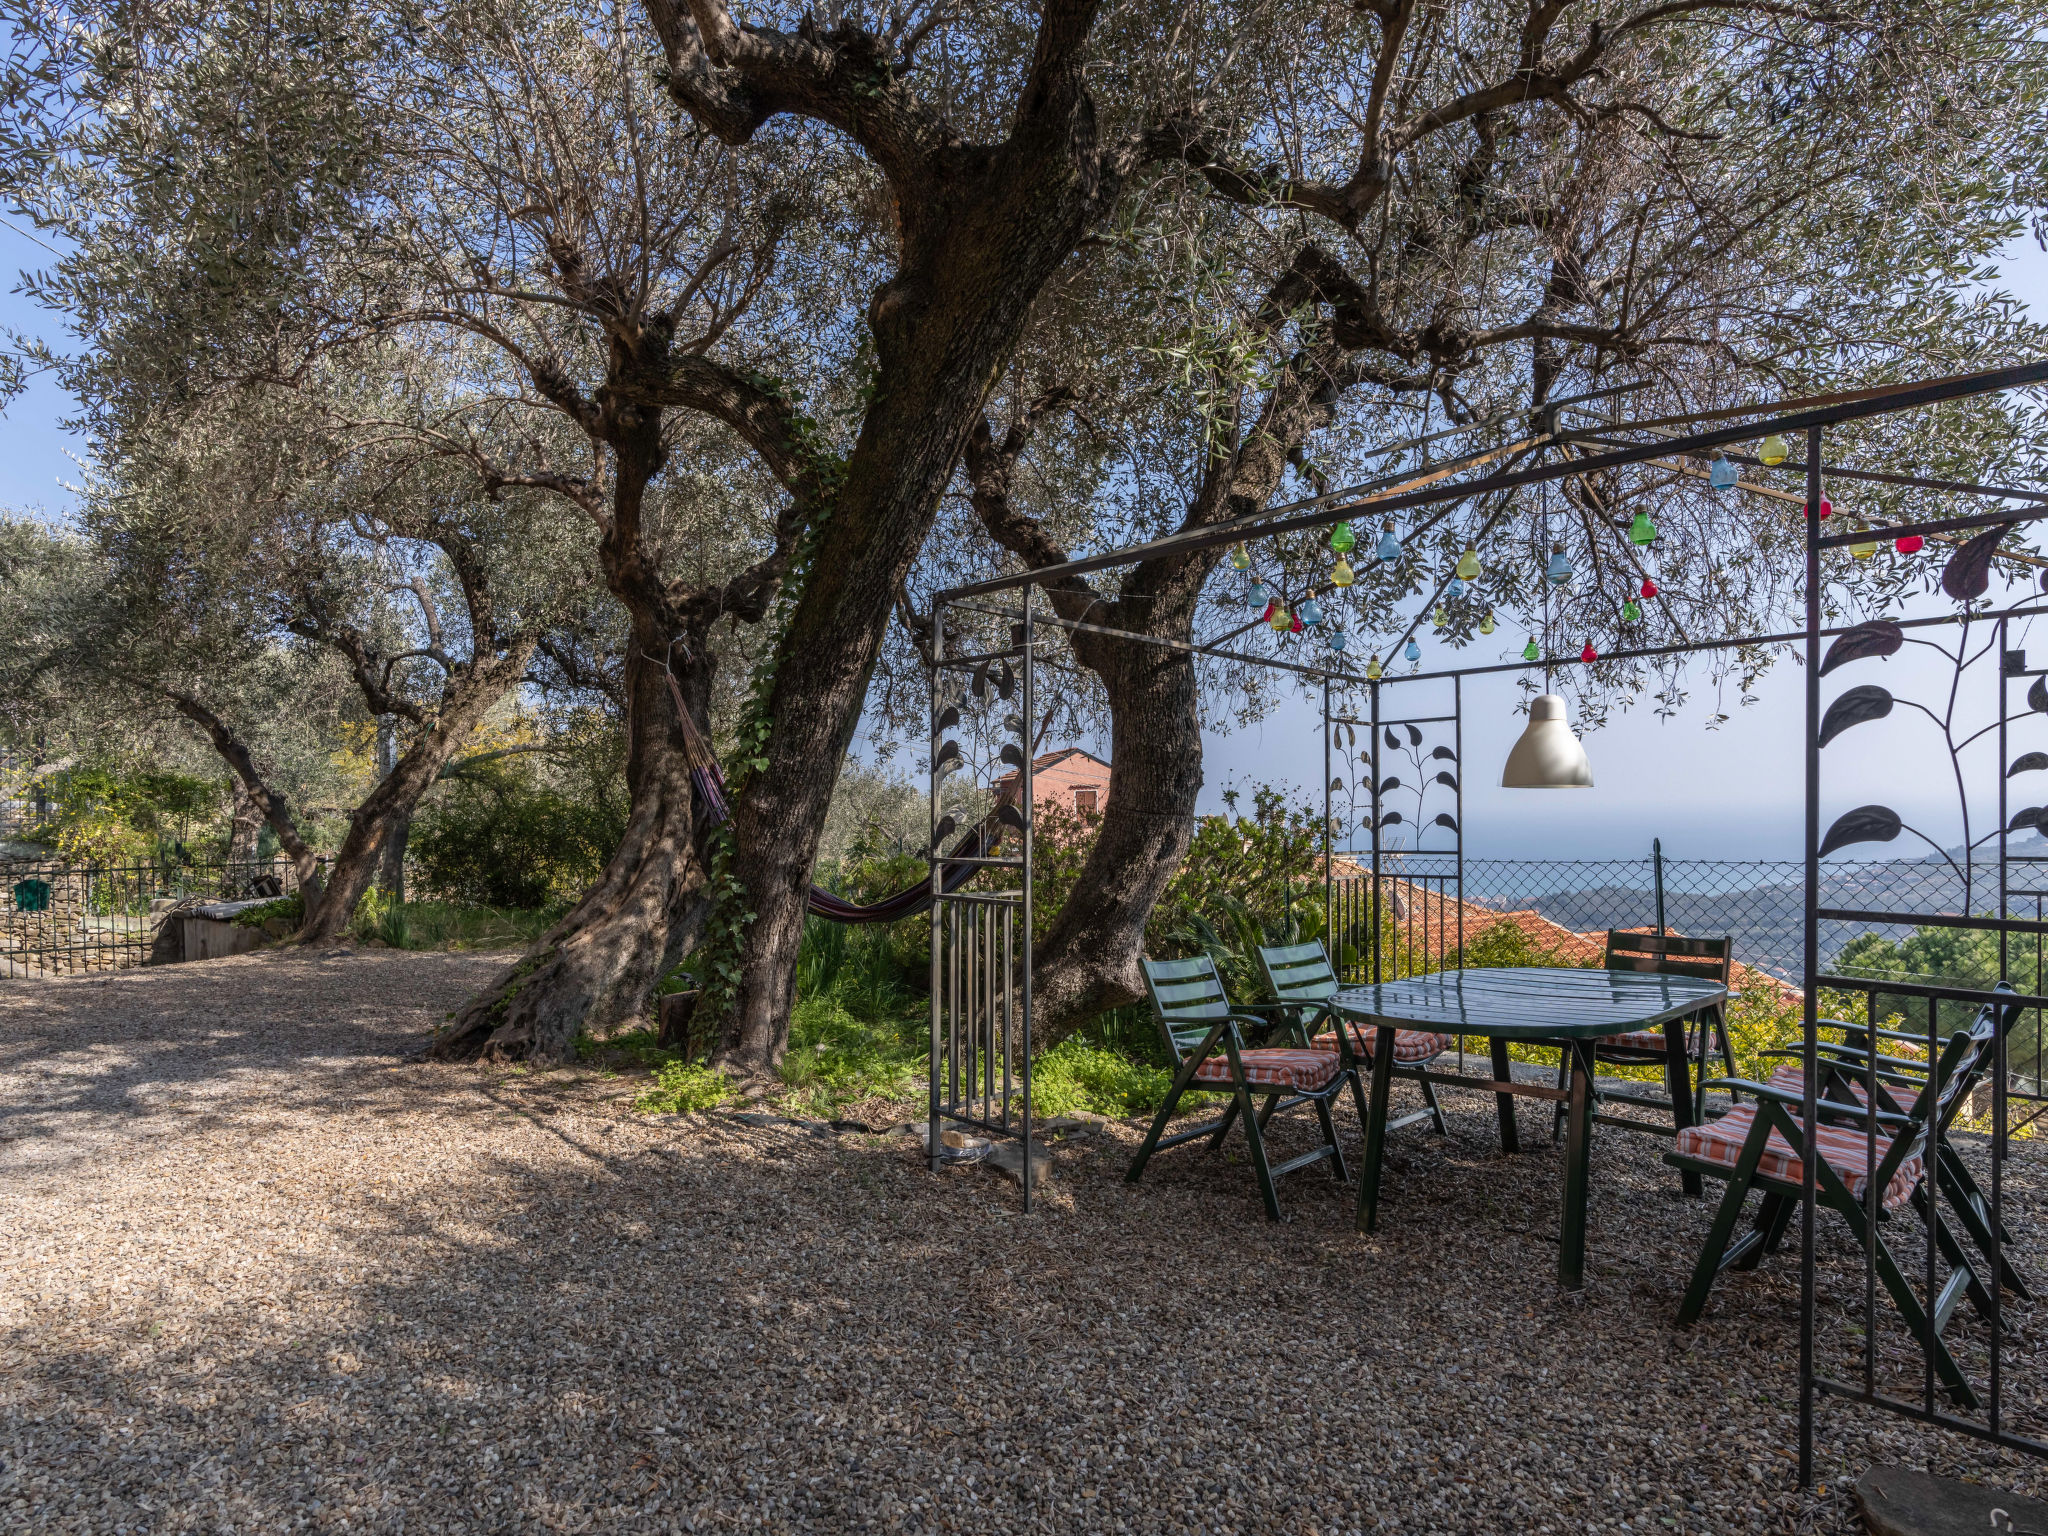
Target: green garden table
point(1538, 1005)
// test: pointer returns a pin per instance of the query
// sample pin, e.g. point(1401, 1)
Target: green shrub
point(506, 844)
point(291, 908)
point(685, 1088)
point(1076, 1075)
point(837, 1056)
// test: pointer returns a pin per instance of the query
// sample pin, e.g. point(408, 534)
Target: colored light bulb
point(1258, 597)
point(1342, 539)
point(1827, 508)
point(1372, 669)
point(1559, 571)
point(1279, 618)
point(1529, 651)
point(1863, 548)
point(1267, 616)
point(1468, 565)
point(1642, 530)
point(1589, 654)
point(1486, 624)
point(1336, 639)
point(1774, 450)
point(1649, 587)
point(1341, 574)
point(1721, 475)
point(1240, 558)
point(1297, 626)
point(1310, 611)
point(1910, 544)
point(1455, 590)
point(1440, 617)
point(1412, 651)
point(1390, 543)
point(1630, 612)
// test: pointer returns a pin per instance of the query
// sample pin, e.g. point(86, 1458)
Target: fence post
point(1657, 878)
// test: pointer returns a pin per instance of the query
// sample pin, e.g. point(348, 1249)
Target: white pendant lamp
point(1548, 756)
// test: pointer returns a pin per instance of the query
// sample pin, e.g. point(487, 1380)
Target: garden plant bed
point(259, 1273)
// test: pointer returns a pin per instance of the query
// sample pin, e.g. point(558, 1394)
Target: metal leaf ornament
point(1393, 741)
point(2037, 696)
point(1879, 637)
point(978, 683)
point(1865, 824)
point(1448, 780)
point(1446, 819)
point(1010, 816)
point(946, 828)
point(1414, 737)
point(1859, 706)
point(2027, 762)
point(1968, 571)
point(1006, 681)
point(949, 757)
point(948, 718)
point(1390, 818)
point(1013, 755)
point(1444, 754)
point(2030, 817)
point(1391, 781)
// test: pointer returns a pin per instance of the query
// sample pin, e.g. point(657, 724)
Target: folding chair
point(1202, 1030)
point(1862, 1172)
point(1300, 976)
point(1664, 954)
point(1846, 1070)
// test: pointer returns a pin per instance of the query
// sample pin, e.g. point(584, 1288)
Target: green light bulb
point(1529, 651)
point(1642, 530)
point(1342, 539)
point(1630, 612)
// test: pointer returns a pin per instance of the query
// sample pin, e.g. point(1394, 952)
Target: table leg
point(1375, 1129)
point(1504, 1103)
point(1678, 1082)
point(1578, 1148)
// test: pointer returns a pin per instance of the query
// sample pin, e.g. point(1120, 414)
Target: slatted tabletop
point(1530, 1002)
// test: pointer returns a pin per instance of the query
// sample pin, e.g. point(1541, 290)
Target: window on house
point(1084, 800)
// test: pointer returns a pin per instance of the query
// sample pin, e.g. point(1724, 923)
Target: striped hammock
point(980, 842)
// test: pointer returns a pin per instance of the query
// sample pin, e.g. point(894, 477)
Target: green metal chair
point(1871, 1162)
point(1300, 975)
point(1846, 1071)
point(1203, 1031)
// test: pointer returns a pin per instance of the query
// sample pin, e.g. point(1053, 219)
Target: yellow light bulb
point(1240, 558)
point(1440, 618)
point(1863, 549)
point(1774, 450)
point(1341, 574)
point(1468, 565)
point(1486, 624)
point(1372, 669)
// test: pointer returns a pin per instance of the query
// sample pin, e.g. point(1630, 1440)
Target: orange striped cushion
point(1791, 1078)
point(1275, 1067)
point(1649, 1040)
point(1844, 1148)
point(1410, 1045)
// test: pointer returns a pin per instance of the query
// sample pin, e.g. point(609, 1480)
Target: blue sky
point(1728, 792)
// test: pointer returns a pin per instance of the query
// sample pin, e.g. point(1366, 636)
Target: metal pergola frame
point(1800, 419)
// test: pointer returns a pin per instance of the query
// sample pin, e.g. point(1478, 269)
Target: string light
point(1310, 612)
point(1455, 590)
point(1336, 639)
point(1630, 612)
point(1909, 544)
point(1863, 548)
point(1279, 617)
point(1440, 617)
point(1258, 597)
point(1649, 587)
point(1372, 670)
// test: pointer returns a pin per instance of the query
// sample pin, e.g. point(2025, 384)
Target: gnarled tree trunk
point(466, 698)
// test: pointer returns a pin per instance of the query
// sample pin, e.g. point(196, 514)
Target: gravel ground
point(258, 1275)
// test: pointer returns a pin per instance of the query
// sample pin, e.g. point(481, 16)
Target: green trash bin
point(32, 895)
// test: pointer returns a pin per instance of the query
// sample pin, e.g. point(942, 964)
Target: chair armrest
point(1864, 1029)
point(1849, 1062)
point(1798, 1101)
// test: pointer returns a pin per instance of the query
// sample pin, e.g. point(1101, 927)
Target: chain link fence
point(61, 919)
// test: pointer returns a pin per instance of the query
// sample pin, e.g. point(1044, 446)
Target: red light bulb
point(1910, 544)
point(1295, 627)
point(1589, 654)
point(1267, 616)
point(1649, 587)
point(1827, 508)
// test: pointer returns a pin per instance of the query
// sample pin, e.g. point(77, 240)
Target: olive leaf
point(1859, 706)
point(1865, 824)
point(1879, 637)
point(1446, 819)
point(1968, 571)
point(2027, 762)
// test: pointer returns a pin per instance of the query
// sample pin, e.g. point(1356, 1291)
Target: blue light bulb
point(1412, 651)
point(1258, 597)
point(1559, 571)
point(1311, 612)
point(1721, 474)
point(1336, 639)
point(1455, 590)
point(1390, 543)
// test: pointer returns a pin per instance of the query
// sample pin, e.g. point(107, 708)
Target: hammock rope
point(981, 841)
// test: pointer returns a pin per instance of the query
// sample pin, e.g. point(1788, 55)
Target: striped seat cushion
point(1720, 1141)
point(1410, 1045)
point(1275, 1067)
point(1649, 1040)
point(1791, 1078)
